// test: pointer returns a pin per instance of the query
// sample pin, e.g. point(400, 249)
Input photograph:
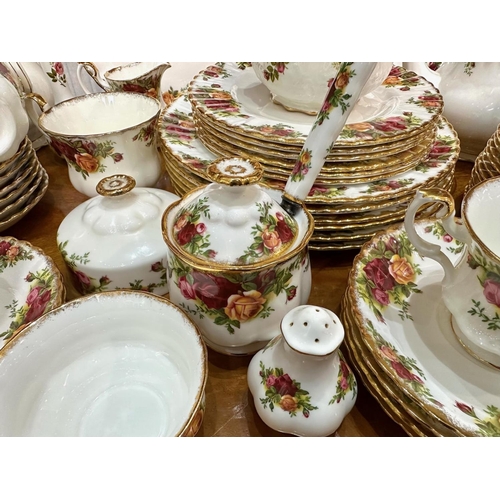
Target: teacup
point(14, 122)
point(140, 77)
point(302, 86)
point(471, 286)
point(104, 134)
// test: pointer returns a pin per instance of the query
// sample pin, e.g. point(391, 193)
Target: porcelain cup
point(104, 134)
point(471, 286)
point(302, 86)
point(14, 122)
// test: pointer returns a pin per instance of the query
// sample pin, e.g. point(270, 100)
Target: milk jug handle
point(93, 72)
point(447, 216)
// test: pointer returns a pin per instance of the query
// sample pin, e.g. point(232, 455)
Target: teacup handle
point(93, 72)
point(447, 216)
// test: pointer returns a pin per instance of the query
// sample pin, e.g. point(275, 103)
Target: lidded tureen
point(301, 373)
point(237, 260)
point(114, 240)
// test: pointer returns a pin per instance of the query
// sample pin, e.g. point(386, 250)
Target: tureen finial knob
point(235, 171)
point(115, 185)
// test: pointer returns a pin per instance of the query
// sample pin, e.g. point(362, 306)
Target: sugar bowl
point(114, 241)
point(237, 260)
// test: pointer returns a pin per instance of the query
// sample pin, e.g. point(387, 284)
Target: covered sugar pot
point(114, 240)
point(237, 260)
point(300, 381)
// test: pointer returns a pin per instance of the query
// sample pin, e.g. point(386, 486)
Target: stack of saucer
point(23, 182)
point(400, 339)
point(398, 142)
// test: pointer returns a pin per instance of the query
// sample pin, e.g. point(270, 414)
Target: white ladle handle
point(339, 101)
point(425, 248)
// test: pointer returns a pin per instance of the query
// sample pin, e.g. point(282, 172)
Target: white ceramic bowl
point(120, 363)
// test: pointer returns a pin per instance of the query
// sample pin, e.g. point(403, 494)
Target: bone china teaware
point(104, 134)
point(238, 258)
point(121, 363)
point(140, 77)
point(121, 217)
point(302, 374)
point(301, 86)
point(471, 287)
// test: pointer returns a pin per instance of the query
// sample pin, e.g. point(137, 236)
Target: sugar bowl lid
point(121, 227)
point(233, 220)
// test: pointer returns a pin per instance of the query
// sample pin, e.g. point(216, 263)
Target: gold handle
point(42, 103)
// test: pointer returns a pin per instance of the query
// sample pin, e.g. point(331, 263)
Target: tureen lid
point(233, 220)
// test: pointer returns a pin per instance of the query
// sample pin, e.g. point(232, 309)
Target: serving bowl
point(30, 285)
point(120, 363)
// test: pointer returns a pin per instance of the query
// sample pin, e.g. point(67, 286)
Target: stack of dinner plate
point(23, 182)
point(399, 142)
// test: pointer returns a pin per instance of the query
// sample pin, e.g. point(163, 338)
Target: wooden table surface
point(229, 406)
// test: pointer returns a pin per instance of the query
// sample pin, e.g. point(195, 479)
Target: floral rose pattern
point(191, 234)
point(179, 128)
point(345, 382)
point(489, 425)
point(336, 97)
point(392, 185)
point(234, 299)
point(219, 102)
point(277, 130)
point(11, 253)
point(274, 70)
point(380, 127)
point(86, 156)
point(432, 102)
point(274, 233)
point(144, 85)
point(400, 77)
point(215, 71)
point(302, 165)
point(283, 392)
point(404, 368)
point(57, 74)
point(441, 150)
point(146, 134)
point(152, 287)
point(388, 275)
point(83, 283)
point(41, 296)
point(488, 274)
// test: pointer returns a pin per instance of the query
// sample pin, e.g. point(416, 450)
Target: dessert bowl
point(30, 285)
point(121, 363)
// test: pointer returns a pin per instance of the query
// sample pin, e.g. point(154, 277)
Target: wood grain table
point(229, 406)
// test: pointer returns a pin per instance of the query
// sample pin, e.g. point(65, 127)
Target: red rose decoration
point(491, 291)
point(4, 247)
point(378, 271)
point(213, 290)
point(186, 288)
point(59, 68)
point(283, 385)
point(37, 301)
point(131, 87)
point(63, 149)
point(380, 296)
point(186, 234)
point(403, 372)
point(284, 231)
point(83, 279)
point(390, 124)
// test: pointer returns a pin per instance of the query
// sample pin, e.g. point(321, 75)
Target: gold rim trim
point(67, 102)
point(216, 267)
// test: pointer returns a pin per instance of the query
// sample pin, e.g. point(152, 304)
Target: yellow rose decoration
point(244, 307)
point(401, 270)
